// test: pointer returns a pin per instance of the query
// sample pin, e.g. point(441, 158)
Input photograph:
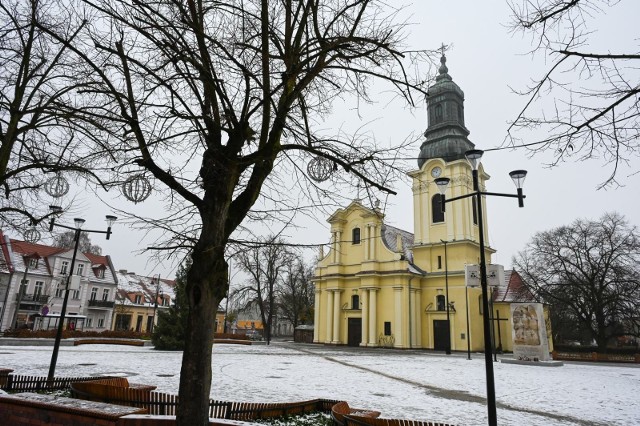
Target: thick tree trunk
point(206, 280)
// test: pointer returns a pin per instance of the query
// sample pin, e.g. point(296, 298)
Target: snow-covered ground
point(401, 384)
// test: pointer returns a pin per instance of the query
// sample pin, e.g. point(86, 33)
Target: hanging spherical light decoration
point(31, 235)
point(137, 188)
point(320, 169)
point(57, 186)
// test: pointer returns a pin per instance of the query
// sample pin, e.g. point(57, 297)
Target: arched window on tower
point(436, 209)
point(438, 113)
point(355, 236)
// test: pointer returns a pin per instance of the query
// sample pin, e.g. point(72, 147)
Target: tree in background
point(169, 333)
point(66, 240)
point(296, 294)
point(594, 87)
point(266, 264)
point(590, 270)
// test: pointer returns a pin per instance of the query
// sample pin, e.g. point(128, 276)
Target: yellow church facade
point(380, 286)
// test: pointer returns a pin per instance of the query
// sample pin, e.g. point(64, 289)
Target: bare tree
point(67, 240)
point(590, 269)
point(220, 104)
point(296, 294)
point(38, 99)
point(595, 93)
point(266, 264)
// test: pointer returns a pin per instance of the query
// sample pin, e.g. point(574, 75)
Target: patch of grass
point(309, 419)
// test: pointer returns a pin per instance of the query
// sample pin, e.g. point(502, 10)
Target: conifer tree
point(169, 333)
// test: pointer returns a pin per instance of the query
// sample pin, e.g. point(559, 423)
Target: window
point(355, 236)
point(100, 272)
point(89, 322)
point(474, 208)
point(80, 269)
point(75, 294)
point(436, 209)
point(94, 293)
point(480, 305)
point(64, 268)
point(105, 294)
point(439, 262)
point(387, 328)
point(59, 290)
point(37, 291)
point(138, 299)
point(355, 302)
point(165, 301)
point(440, 303)
point(33, 263)
point(438, 113)
point(101, 322)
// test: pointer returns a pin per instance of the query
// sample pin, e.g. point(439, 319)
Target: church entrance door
point(440, 335)
point(355, 331)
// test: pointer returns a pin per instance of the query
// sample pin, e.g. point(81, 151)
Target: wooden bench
point(112, 390)
point(340, 410)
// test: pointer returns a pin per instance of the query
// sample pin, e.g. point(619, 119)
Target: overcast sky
point(485, 61)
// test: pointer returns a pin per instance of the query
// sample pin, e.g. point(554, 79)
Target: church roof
point(390, 240)
point(513, 289)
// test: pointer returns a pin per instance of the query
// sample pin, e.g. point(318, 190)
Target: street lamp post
point(155, 303)
point(518, 176)
point(446, 291)
point(77, 230)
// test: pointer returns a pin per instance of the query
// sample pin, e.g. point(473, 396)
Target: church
point(380, 286)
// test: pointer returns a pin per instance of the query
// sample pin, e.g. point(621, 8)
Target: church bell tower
point(442, 154)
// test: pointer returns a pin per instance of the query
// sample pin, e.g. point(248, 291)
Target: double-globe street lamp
point(518, 176)
point(56, 210)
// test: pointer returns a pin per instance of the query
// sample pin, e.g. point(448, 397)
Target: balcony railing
point(100, 304)
point(33, 298)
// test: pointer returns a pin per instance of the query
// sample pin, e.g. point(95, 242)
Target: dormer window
point(138, 299)
point(33, 263)
point(100, 272)
point(355, 236)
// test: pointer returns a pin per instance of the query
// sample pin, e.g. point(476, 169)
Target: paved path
point(450, 394)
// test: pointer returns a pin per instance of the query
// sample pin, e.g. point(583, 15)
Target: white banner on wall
point(495, 275)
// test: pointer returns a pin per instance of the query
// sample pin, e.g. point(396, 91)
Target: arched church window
point(355, 302)
point(440, 302)
point(436, 209)
point(355, 236)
